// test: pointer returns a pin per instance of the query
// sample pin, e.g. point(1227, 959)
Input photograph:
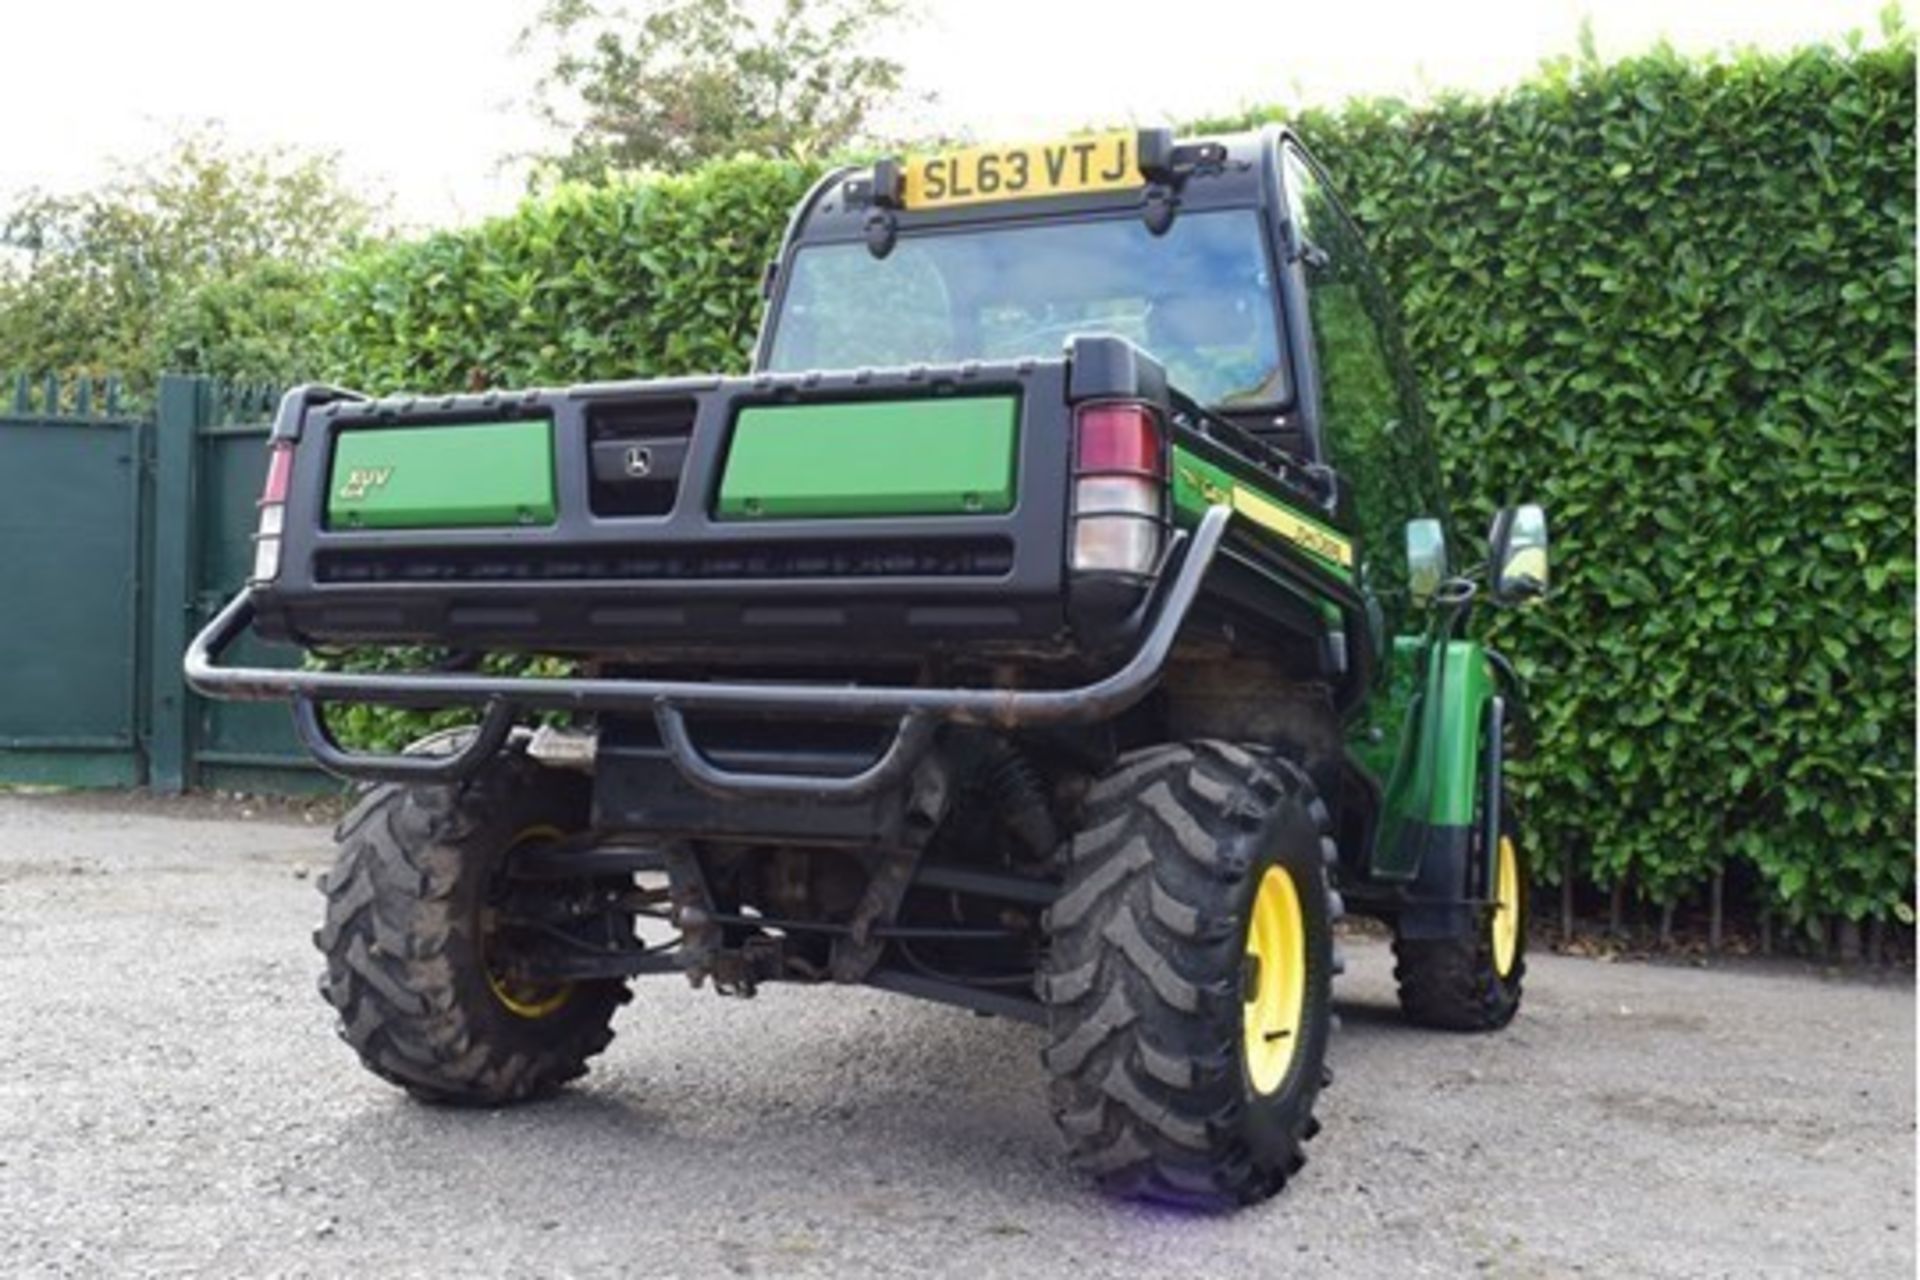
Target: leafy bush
point(1674, 301)
point(641, 278)
point(1671, 299)
point(202, 260)
point(253, 324)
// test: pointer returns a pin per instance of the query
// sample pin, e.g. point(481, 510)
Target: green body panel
point(952, 456)
point(1436, 769)
point(447, 476)
point(1199, 483)
point(1374, 734)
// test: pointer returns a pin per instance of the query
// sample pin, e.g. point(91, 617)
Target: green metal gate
point(71, 512)
point(120, 533)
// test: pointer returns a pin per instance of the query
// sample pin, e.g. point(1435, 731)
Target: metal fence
point(121, 529)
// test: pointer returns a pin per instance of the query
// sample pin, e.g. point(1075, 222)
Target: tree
point(683, 81)
point(153, 268)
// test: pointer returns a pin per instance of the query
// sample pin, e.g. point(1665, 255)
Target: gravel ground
point(172, 1100)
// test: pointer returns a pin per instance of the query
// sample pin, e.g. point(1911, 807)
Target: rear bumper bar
point(916, 710)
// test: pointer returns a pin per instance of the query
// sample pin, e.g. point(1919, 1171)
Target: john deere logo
point(362, 481)
point(1271, 516)
point(1210, 493)
point(639, 462)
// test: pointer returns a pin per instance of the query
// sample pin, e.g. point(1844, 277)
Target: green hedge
point(1671, 299)
point(639, 279)
point(1674, 301)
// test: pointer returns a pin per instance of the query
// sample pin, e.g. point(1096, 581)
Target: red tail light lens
point(279, 473)
point(273, 512)
point(1118, 439)
point(1119, 489)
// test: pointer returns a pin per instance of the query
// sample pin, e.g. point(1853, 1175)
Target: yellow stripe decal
point(1277, 519)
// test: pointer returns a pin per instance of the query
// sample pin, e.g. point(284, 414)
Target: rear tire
point(1156, 977)
point(413, 947)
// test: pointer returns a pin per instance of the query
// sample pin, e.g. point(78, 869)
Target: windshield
point(1199, 298)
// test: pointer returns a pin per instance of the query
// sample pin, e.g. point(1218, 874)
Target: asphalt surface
point(173, 1100)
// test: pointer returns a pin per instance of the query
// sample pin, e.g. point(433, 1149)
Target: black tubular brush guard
point(918, 711)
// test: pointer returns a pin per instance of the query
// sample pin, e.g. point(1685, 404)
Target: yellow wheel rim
point(1276, 985)
point(521, 998)
point(1506, 908)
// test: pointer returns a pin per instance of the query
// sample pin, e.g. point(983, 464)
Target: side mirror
point(1426, 559)
point(1517, 553)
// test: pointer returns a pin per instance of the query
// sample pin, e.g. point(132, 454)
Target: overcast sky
point(420, 97)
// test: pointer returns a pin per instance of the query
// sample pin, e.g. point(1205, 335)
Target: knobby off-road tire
point(1149, 981)
point(411, 898)
point(1462, 984)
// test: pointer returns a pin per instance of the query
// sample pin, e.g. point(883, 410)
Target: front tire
point(418, 959)
point(1472, 983)
point(1188, 977)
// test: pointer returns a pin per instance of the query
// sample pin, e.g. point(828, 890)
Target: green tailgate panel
point(876, 458)
point(453, 475)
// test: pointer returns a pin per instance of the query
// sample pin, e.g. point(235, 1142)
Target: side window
point(1370, 416)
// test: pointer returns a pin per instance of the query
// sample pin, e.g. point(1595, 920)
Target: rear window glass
point(1200, 298)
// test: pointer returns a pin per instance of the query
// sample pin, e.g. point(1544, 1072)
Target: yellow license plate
point(1106, 162)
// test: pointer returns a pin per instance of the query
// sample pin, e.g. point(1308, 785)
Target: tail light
point(273, 512)
point(1119, 488)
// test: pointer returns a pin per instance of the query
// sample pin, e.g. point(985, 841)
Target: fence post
point(178, 415)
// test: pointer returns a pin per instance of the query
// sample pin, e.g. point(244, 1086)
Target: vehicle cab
point(1229, 260)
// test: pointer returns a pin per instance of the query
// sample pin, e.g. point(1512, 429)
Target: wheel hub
point(1276, 986)
point(1506, 907)
point(522, 997)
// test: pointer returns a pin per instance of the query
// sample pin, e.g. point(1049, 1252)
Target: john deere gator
point(1057, 622)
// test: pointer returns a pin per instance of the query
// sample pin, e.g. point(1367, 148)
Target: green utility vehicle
point(1056, 623)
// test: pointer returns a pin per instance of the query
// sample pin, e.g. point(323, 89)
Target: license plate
point(1106, 162)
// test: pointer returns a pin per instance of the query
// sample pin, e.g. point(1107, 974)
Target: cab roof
point(1205, 172)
